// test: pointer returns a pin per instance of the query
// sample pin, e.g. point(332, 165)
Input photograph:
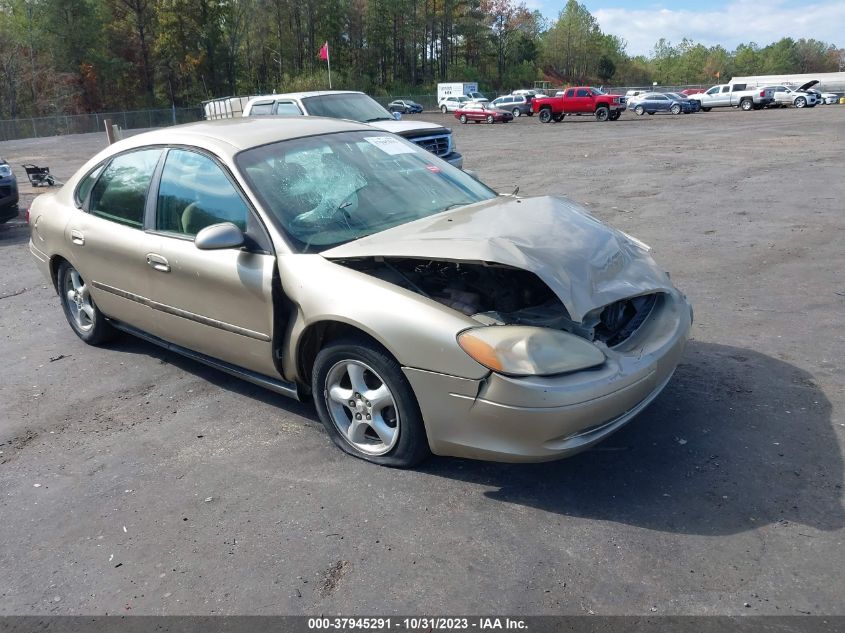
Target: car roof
point(302, 95)
point(227, 137)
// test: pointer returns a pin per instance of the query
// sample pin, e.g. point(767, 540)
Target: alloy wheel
point(78, 300)
point(362, 407)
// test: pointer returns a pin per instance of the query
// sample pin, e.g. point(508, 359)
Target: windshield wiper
point(378, 118)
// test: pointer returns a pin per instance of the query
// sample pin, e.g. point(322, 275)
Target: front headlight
point(519, 350)
point(5, 171)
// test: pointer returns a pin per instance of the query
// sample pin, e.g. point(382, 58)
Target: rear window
point(259, 109)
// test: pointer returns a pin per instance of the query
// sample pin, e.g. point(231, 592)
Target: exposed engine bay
point(495, 294)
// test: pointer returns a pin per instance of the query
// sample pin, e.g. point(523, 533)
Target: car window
point(259, 109)
point(570, 92)
point(726, 89)
point(347, 105)
point(120, 193)
point(713, 91)
point(84, 187)
point(330, 189)
point(582, 92)
point(287, 107)
point(195, 193)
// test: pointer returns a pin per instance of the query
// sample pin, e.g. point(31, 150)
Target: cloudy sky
point(727, 22)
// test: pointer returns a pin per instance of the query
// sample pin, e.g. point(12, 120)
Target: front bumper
point(455, 159)
point(543, 418)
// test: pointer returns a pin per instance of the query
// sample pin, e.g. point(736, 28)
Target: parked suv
point(8, 192)
point(515, 104)
point(450, 104)
point(356, 106)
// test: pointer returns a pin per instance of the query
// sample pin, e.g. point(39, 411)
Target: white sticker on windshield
point(390, 145)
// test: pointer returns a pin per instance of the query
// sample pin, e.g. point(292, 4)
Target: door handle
point(77, 237)
point(158, 262)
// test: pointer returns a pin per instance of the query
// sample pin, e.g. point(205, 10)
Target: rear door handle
point(77, 237)
point(158, 262)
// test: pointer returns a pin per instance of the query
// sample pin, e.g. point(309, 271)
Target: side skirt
point(278, 386)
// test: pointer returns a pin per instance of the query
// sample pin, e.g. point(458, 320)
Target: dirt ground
point(133, 481)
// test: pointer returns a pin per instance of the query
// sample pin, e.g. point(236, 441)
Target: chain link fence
point(62, 124)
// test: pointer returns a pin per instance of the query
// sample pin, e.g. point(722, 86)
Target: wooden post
point(109, 130)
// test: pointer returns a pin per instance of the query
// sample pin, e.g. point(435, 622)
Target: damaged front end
point(498, 294)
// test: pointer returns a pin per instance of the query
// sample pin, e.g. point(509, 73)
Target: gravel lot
point(133, 481)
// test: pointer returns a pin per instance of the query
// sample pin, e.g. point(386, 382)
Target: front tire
point(463, 118)
point(546, 115)
point(444, 109)
point(602, 114)
point(800, 102)
point(639, 110)
point(367, 405)
point(81, 312)
point(675, 109)
point(490, 119)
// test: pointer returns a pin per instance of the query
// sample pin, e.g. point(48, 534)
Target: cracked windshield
point(331, 189)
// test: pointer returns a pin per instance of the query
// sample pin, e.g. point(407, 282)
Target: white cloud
point(761, 21)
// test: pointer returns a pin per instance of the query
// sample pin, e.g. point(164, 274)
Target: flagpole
point(329, 62)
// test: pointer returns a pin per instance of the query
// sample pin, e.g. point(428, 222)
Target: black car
point(8, 192)
point(405, 106)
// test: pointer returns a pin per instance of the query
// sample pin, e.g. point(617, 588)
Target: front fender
point(417, 331)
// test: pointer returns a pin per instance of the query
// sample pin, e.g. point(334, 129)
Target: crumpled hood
point(586, 263)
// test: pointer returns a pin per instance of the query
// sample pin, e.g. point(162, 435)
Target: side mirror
point(219, 236)
point(397, 116)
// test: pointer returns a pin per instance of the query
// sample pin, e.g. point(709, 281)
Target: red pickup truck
point(579, 100)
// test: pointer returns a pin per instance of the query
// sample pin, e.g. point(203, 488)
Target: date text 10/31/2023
point(415, 623)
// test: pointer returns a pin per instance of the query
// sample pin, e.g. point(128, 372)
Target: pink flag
point(324, 52)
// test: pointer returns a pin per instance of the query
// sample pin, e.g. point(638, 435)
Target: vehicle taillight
point(762, 93)
point(26, 216)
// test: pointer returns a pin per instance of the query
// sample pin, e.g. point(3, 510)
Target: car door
point(217, 302)
point(583, 101)
point(108, 245)
point(660, 103)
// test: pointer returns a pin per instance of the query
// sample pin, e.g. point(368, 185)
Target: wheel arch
point(317, 335)
point(55, 263)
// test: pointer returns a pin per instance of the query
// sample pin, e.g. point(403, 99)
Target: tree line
point(72, 56)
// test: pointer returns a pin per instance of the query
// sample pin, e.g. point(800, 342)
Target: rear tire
point(358, 371)
point(516, 113)
point(703, 109)
point(83, 315)
point(746, 104)
point(491, 119)
point(614, 116)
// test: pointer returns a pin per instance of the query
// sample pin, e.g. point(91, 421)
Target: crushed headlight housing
point(518, 350)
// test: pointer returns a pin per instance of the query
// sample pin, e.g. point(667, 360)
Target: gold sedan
point(317, 257)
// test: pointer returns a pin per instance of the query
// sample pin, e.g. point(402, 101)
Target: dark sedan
point(405, 106)
point(8, 192)
point(658, 102)
point(695, 104)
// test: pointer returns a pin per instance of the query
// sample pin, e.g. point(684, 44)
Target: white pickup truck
point(735, 95)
